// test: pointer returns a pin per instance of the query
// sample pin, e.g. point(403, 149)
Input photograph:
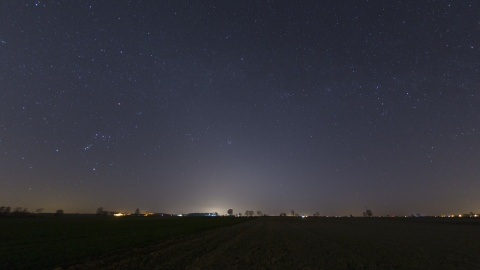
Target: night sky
point(201, 106)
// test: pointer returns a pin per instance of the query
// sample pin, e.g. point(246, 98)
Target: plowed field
point(295, 243)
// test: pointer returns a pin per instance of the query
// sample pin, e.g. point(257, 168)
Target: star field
point(196, 106)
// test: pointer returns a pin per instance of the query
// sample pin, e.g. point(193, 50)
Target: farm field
point(49, 242)
point(323, 243)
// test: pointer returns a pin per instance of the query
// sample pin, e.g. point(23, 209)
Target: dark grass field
point(222, 243)
point(313, 243)
point(48, 242)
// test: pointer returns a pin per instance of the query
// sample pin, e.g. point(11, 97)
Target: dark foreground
point(294, 243)
point(45, 242)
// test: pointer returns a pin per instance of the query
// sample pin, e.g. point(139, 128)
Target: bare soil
point(295, 243)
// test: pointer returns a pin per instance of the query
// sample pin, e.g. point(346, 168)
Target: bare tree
point(259, 213)
point(4, 211)
point(19, 211)
point(292, 212)
point(249, 213)
point(368, 212)
point(101, 212)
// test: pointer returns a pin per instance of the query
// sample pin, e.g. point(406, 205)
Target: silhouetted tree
point(282, 214)
point(239, 214)
point(249, 213)
point(19, 211)
point(230, 212)
point(292, 212)
point(59, 212)
point(101, 212)
point(259, 213)
point(137, 212)
point(367, 213)
point(316, 214)
point(4, 210)
point(39, 210)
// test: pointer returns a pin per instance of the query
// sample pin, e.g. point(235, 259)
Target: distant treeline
point(7, 211)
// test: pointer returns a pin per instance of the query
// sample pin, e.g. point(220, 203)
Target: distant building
point(201, 215)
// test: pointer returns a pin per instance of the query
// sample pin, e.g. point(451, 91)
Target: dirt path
point(269, 243)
